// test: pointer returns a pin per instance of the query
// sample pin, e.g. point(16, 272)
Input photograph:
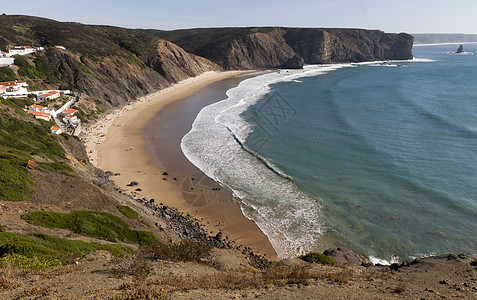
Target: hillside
point(276, 47)
point(109, 64)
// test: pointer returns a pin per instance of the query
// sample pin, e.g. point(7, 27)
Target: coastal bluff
point(279, 47)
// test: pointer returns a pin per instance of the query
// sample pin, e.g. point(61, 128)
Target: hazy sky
point(413, 16)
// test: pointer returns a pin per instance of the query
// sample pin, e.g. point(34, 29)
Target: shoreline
point(119, 143)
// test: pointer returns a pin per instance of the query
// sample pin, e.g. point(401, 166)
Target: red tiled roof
point(37, 106)
point(11, 83)
point(48, 94)
point(70, 116)
point(39, 114)
point(70, 111)
point(55, 128)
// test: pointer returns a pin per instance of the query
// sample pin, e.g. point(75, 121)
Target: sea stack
point(460, 49)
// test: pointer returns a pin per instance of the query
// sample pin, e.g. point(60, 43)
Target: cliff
point(276, 47)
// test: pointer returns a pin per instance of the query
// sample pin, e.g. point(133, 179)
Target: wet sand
point(142, 141)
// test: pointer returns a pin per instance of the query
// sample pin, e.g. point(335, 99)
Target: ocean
point(378, 157)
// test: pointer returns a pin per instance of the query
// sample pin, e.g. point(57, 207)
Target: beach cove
point(141, 142)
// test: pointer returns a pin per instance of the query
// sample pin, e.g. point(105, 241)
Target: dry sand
point(116, 143)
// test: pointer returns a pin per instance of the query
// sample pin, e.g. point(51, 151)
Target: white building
point(21, 50)
point(60, 47)
point(5, 59)
point(40, 115)
point(37, 108)
point(56, 130)
point(48, 96)
point(15, 88)
point(70, 119)
point(70, 111)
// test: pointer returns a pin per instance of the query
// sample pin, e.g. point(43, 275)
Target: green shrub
point(91, 223)
point(474, 262)
point(25, 69)
point(41, 251)
point(186, 250)
point(32, 263)
point(2, 229)
point(18, 103)
point(319, 258)
point(44, 68)
point(15, 182)
point(7, 74)
point(128, 212)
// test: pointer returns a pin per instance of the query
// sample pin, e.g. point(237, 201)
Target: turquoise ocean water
point(380, 157)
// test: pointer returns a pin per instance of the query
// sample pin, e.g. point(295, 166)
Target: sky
point(412, 16)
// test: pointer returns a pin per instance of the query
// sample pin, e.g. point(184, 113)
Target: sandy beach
point(117, 143)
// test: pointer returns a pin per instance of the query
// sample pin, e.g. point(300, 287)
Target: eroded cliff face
point(319, 46)
point(261, 48)
point(174, 64)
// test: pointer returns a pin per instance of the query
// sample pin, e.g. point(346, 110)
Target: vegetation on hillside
point(41, 252)
point(95, 224)
point(128, 212)
point(6, 74)
point(23, 141)
point(318, 258)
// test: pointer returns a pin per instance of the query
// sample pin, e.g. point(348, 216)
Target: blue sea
point(378, 157)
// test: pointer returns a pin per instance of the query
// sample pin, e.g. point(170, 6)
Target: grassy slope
point(91, 223)
point(21, 141)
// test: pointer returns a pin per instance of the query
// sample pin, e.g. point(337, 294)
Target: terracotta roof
point(39, 114)
point(70, 111)
point(37, 106)
point(70, 116)
point(48, 94)
point(55, 128)
point(11, 83)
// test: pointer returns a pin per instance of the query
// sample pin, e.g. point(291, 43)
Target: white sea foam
point(415, 59)
point(289, 218)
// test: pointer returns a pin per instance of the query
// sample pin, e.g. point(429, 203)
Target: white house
point(2, 90)
point(5, 59)
point(40, 115)
point(21, 50)
point(37, 108)
point(56, 130)
point(48, 96)
point(14, 84)
point(60, 47)
point(15, 88)
point(71, 119)
point(70, 111)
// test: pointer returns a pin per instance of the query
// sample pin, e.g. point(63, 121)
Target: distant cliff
point(276, 47)
point(435, 38)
